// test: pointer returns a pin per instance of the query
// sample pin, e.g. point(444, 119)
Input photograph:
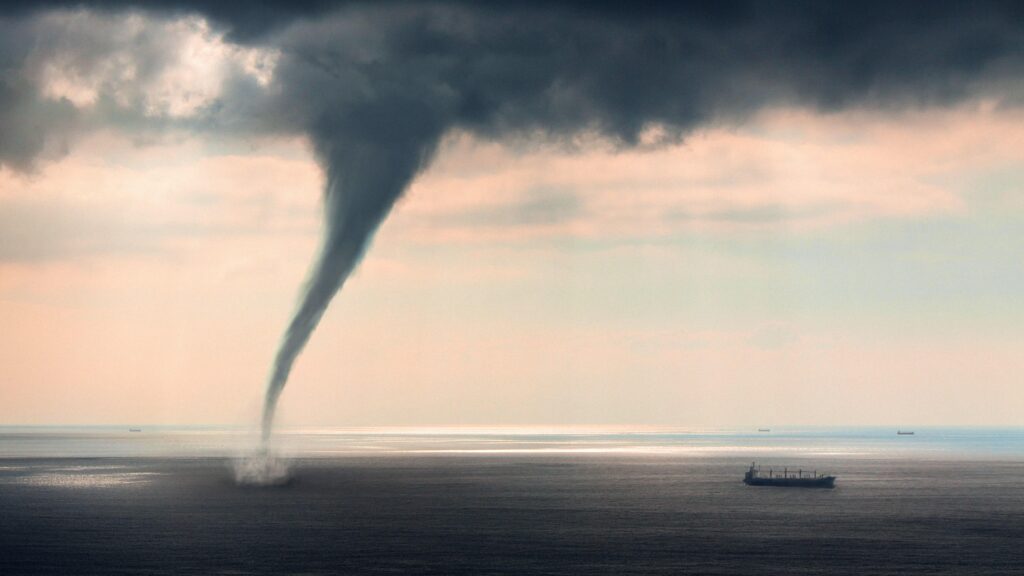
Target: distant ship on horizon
point(753, 477)
point(904, 433)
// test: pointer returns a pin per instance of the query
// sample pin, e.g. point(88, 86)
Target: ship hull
point(820, 482)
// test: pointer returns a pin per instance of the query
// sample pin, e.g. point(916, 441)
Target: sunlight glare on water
point(242, 445)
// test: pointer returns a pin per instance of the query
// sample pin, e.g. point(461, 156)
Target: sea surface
point(103, 500)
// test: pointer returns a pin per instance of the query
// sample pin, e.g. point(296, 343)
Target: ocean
point(103, 500)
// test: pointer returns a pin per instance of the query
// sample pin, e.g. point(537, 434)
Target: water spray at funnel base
point(261, 469)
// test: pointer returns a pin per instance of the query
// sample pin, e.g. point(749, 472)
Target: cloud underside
point(395, 73)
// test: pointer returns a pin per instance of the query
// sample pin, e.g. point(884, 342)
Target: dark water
point(514, 514)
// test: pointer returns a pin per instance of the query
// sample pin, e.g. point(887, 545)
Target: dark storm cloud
point(498, 68)
point(562, 68)
point(29, 125)
point(555, 67)
point(82, 48)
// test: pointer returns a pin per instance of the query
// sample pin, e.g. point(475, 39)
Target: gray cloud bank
point(395, 72)
point(375, 86)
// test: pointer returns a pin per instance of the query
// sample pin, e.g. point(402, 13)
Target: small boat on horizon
point(904, 433)
point(798, 479)
point(764, 429)
point(135, 429)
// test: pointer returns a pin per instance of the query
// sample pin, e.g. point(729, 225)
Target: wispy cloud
point(786, 171)
point(152, 198)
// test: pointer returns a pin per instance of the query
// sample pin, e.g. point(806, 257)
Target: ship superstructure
point(787, 478)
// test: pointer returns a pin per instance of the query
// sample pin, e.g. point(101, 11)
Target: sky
point(683, 214)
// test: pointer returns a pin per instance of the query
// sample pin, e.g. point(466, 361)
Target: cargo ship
point(797, 479)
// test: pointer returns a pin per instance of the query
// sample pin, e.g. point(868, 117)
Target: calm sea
point(511, 501)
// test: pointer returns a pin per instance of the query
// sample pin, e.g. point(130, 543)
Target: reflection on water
point(79, 479)
point(62, 442)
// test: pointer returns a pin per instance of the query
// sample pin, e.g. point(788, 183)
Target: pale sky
point(797, 266)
